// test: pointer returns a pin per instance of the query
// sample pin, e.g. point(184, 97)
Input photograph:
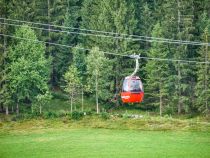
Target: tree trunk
point(71, 99)
point(40, 109)
point(17, 108)
point(161, 101)
point(97, 107)
point(12, 109)
point(117, 82)
point(7, 110)
point(1, 108)
point(117, 88)
point(179, 71)
point(161, 105)
point(179, 15)
point(4, 60)
point(82, 100)
point(48, 15)
point(206, 75)
point(179, 91)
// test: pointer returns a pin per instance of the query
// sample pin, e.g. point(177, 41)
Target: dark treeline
point(30, 70)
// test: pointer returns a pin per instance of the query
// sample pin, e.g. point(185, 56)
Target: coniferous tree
point(157, 81)
point(203, 81)
point(56, 15)
point(71, 20)
point(203, 26)
point(184, 77)
point(79, 60)
point(117, 17)
point(3, 54)
point(21, 9)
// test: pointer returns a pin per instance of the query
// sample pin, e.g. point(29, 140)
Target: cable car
point(132, 89)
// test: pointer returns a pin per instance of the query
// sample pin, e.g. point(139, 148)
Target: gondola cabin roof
point(132, 78)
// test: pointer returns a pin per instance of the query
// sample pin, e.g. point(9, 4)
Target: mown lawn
point(103, 143)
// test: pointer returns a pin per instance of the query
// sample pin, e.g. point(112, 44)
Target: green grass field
point(105, 143)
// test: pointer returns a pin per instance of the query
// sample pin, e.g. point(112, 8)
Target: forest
point(80, 47)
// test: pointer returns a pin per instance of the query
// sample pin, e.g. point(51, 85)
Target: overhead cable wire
point(89, 30)
point(61, 45)
point(110, 53)
point(105, 36)
point(117, 35)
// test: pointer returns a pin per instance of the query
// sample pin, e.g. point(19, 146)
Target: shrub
point(62, 113)
point(75, 115)
point(105, 115)
point(21, 117)
point(88, 113)
point(60, 95)
point(50, 115)
point(168, 111)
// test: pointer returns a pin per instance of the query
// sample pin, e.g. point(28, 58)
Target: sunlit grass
point(105, 143)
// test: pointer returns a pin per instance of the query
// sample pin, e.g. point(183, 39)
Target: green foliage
point(60, 95)
point(72, 80)
point(105, 115)
point(25, 71)
point(203, 80)
point(79, 60)
point(50, 115)
point(158, 73)
point(98, 69)
point(28, 71)
point(40, 101)
point(76, 115)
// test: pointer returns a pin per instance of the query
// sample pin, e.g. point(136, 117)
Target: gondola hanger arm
point(136, 57)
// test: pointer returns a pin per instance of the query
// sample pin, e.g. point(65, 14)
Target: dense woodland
point(30, 71)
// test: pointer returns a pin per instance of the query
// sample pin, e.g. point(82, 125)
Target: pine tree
point(157, 81)
point(56, 15)
point(79, 60)
point(203, 79)
point(178, 21)
point(185, 75)
point(3, 54)
point(72, 20)
point(114, 16)
point(21, 9)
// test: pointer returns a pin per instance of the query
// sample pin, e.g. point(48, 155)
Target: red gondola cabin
point(132, 91)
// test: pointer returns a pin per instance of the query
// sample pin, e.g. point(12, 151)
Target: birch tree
point(28, 70)
point(99, 70)
point(73, 83)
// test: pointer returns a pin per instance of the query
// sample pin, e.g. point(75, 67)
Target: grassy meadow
point(93, 136)
point(103, 143)
point(116, 135)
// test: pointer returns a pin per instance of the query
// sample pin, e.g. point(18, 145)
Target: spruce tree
point(72, 20)
point(203, 73)
point(157, 80)
point(203, 27)
point(3, 54)
point(185, 73)
point(117, 17)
